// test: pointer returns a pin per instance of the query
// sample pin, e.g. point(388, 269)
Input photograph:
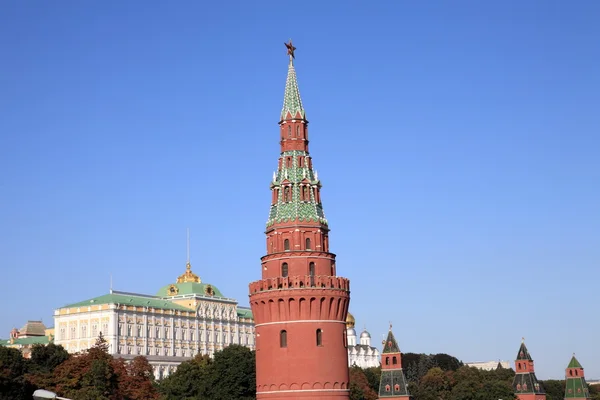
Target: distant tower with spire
point(525, 383)
point(392, 384)
point(575, 385)
point(300, 304)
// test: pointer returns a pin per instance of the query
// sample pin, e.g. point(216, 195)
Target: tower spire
point(292, 103)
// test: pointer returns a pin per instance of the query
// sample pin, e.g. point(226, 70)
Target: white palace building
point(182, 320)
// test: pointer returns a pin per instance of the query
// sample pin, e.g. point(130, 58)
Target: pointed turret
point(393, 384)
point(575, 384)
point(525, 383)
point(292, 103)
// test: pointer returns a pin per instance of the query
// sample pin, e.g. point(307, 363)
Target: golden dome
point(350, 321)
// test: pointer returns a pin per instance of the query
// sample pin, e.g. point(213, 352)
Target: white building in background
point(488, 365)
point(182, 320)
point(360, 353)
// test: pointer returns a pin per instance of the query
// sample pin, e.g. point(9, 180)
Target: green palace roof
point(189, 288)
point(26, 341)
point(130, 300)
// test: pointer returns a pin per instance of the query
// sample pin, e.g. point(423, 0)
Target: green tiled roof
point(244, 313)
point(390, 345)
point(527, 383)
point(189, 288)
point(130, 300)
point(296, 209)
point(574, 363)
point(291, 98)
point(27, 341)
point(523, 354)
point(576, 388)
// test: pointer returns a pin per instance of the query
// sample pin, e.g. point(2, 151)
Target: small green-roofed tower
point(393, 384)
point(525, 383)
point(575, 384)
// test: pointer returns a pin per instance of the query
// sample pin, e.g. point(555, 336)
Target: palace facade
point(182, 320)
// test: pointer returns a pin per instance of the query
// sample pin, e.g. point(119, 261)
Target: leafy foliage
point(231, 375)
point(13, 367)
point(359, 385)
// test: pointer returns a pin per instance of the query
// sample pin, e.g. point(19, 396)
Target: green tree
point(88, 376)
point(43, 362)
point(359, 385)
point(13, 367)
point(555, 389)
point(190, 381)
point(373, 375)
point(233, 374)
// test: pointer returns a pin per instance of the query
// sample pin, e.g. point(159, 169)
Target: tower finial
point(290, 50)
point(390, 325)
point(522, 340)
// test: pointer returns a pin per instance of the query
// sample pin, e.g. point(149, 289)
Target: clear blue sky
point(457, 142)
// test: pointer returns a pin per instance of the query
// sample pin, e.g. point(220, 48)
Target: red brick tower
point(575, 384)
point(299, 305)
point(392, 383)
point(525, 383)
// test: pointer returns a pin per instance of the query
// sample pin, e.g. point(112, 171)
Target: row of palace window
point(83, 332)
point(298, 132)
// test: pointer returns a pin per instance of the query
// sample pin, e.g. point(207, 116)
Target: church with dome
point(360, 352)
point(185, 318)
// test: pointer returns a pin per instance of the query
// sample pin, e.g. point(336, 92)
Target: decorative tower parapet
point(525, 383)
point(300, 305)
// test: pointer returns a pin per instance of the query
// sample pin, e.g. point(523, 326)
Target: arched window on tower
point(286, 245)
point(283, 338)
point(307, 241)
point(394, 360)
point(311, 272)
point(319, 337)
point(387, 361)
point(284, 270)
point(289, 131)
point(287, 194)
